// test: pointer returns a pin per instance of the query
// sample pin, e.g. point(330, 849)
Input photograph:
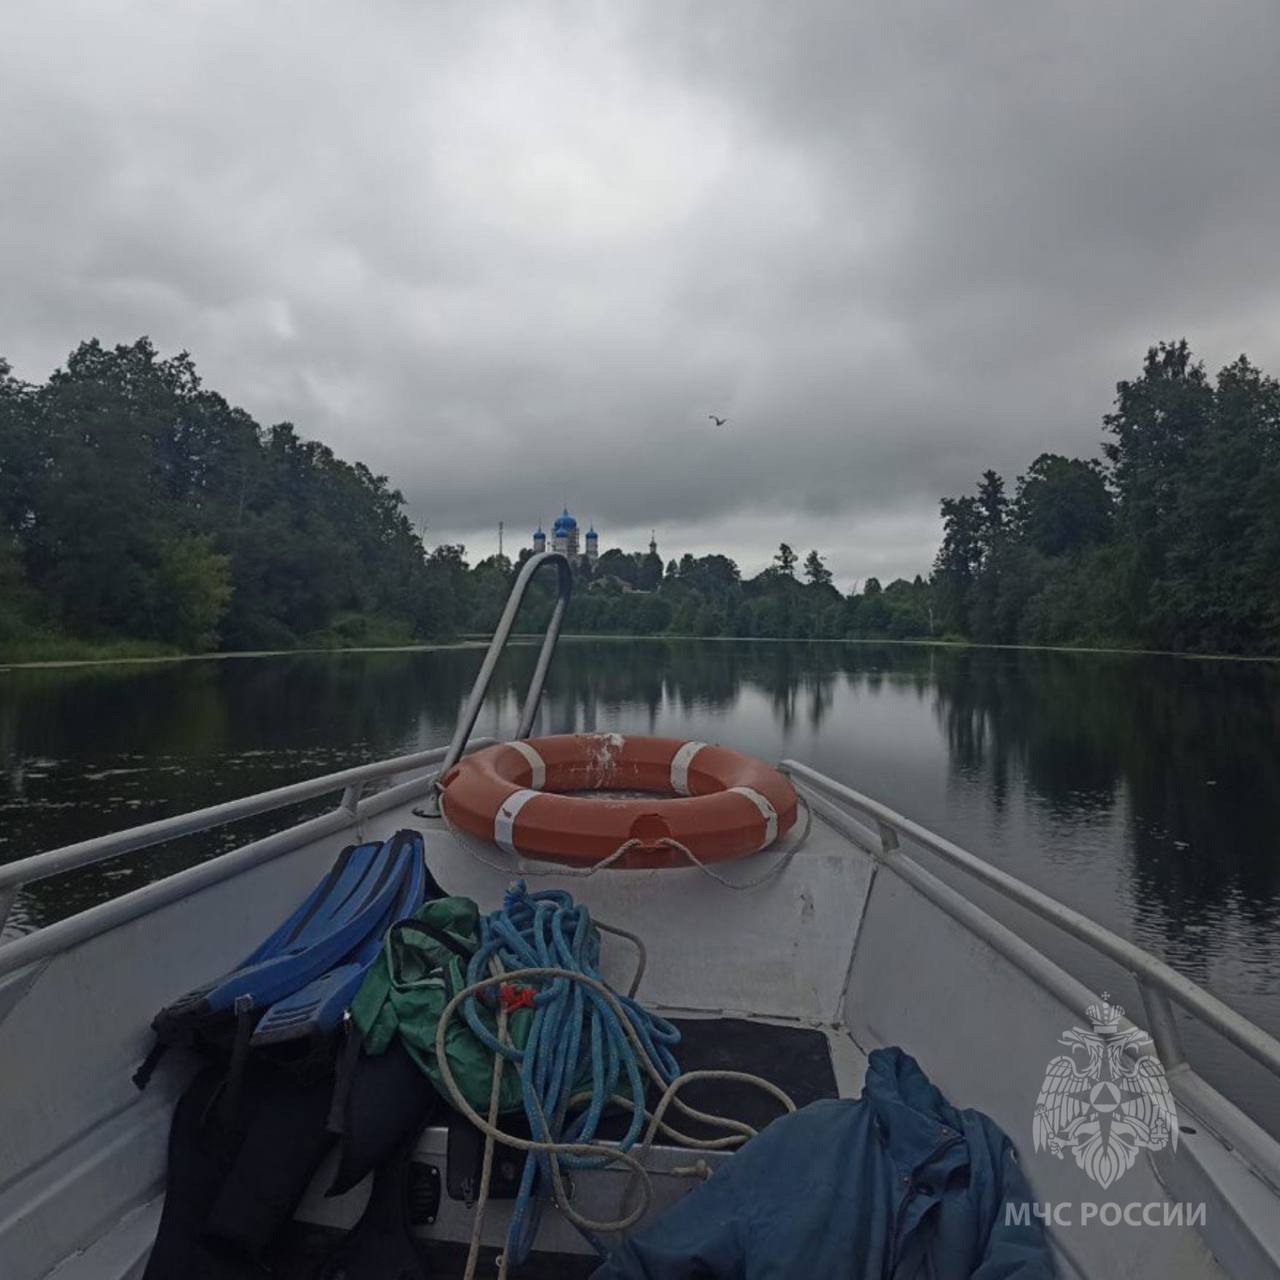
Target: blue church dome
point(565, 523)
point(591, 533)
point(537, 533)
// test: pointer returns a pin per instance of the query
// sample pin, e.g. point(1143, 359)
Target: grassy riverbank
point(45, 650)
point(26, 646)
point(63, 652)
point(84, 655)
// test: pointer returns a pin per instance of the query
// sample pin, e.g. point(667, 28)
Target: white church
point(564, 538)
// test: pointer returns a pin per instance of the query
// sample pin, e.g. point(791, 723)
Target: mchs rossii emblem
point(1106, 1099)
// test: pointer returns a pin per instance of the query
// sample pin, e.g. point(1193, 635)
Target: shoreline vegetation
point(145, 519)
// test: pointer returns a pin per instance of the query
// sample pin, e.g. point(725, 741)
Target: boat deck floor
point(307, 1248)
point(795, 1058)
point(806, 1062)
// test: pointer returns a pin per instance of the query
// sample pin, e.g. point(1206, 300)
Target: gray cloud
point(513, 255)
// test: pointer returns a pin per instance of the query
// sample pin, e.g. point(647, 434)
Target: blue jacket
point(898, 1184)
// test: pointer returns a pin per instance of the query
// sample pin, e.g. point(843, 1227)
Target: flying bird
point(718, 421)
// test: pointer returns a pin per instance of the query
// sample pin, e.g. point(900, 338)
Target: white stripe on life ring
point(536, 763)
point(768, 812)
point(504, 820)
point(680, 767)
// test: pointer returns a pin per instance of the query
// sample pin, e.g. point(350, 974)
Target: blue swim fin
point(352, 902)
point(317, 1008)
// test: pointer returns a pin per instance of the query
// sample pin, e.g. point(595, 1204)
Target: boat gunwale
point(1149, 971)
point(60, 936)
point(1237, 1130)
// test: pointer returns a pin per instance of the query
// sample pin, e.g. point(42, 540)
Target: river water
point(1144, 791)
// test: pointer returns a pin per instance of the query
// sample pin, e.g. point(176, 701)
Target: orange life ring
point(727, 804)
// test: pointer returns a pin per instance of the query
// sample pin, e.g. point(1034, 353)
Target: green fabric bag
point(422, 965)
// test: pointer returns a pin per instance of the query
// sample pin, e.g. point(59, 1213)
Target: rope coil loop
point(587, 1047)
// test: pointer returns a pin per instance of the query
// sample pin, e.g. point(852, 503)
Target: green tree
point(618, 564)
point(958, 560)
point(1216, 587)
point(817, 572)
point(18, 603)
point(1062, 505)
point(650, 572)
point(710, 621)
point(450, 589)
point(872, 610)
point(908, 609)
point(687, 614)
point(785, 561)
point(767, 617)
point(653, 615)
point(19, 452)
point(992, 509)
point(195, 589)
point(715, 576)
point(1158, 421)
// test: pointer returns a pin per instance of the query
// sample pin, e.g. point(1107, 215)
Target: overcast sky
point(514, 254)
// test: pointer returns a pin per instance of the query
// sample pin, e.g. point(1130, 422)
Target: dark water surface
point(1145, 791)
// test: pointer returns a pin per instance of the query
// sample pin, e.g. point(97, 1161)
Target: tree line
point(1171, 540)
point(708, 596)
point(136, 504)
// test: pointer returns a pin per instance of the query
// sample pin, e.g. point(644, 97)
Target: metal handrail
point(1155, 978)
point(14, 875)
point(430, 807)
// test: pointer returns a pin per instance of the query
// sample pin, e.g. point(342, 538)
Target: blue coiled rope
point(575, 1044)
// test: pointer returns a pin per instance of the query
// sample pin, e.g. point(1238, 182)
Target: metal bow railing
point(430, 807)
point(350, 808)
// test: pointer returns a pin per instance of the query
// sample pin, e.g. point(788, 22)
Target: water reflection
point(1185, 750)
